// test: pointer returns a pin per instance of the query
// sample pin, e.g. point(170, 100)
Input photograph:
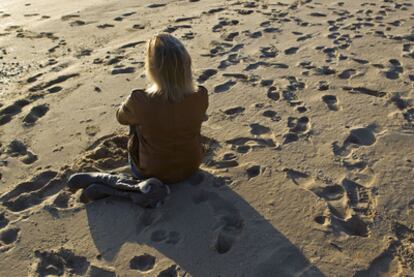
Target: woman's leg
point(134, 169)
point(133, 147)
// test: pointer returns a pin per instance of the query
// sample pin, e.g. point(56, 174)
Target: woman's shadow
point(204, 227)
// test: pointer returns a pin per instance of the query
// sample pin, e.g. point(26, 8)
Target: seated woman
point(165, 118)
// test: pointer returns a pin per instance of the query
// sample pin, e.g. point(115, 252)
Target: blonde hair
point(168, 68)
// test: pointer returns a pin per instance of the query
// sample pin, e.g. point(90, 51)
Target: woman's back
point(167, 141)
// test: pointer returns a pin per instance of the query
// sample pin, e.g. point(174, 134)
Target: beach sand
point(310, 136)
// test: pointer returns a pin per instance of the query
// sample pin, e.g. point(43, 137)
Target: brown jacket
point(165, 142)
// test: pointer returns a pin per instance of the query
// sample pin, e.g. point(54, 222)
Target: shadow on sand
point(204, 227)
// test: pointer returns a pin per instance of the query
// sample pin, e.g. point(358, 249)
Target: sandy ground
point(310, 131)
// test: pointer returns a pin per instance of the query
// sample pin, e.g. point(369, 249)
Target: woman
point(165, 119)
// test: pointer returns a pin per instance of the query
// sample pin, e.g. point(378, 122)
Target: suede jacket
point(165, 139)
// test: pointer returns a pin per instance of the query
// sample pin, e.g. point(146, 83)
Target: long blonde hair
point(168, 68)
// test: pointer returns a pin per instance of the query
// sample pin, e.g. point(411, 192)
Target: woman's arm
point(126, 114)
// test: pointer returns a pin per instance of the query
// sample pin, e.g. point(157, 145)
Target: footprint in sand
point(29, 158)
point(244, 11)
point(92, 130)
point(188, 36)
point(224, 87)
point(212, 10)
point(245, 144)
point(54, 89)
point(7, 113)
point(361, 136)
point(401, 103)
point(253, 66)
point(35, 114)
point(404, 248)
point(53, 82)
point(360, 197)
point(291, 50)
point(317, 14)
point(343, 203)
point(360, 61)
point(268, 52)
point(58, 263)
point(341, 217)
point(77, 23)
point(408, 51)
point(223, 48)
point(289, 92)
point(223, 22)
point(304, 37)
point(172, 29)
point(138, 26)
point(353, 226)
point(254, 35)
point(234, 111)
point(207, 74)
point(3, 221)
point(17, 148)
point(228, 160)
point(364, 90)
point(273, 94)
point(331, 101)
point(33, 192)
point(230, 36)
point(354, 164)
point(8, 237)
point(397, 255)
point(105, 25)
point(258, 129)
point(34, 78)
point(155, 5)
point(272, 115)
point(64, 200)
point(301, 109)
point(395, 69)
point(83, 53)
point(229, 226)
point(271, 30)
point(182, 19)
point(123, 70)
point(386, 264)
point(324, 71)
point(357, 137)
point(297, 127)
point(266, 82)
point(253, 171)
point(230, 60)
point(69, 17)
point(347, 73)
point(142, 263)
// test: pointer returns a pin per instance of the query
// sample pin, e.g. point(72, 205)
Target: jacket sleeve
point(204, 92)
point(126, 113)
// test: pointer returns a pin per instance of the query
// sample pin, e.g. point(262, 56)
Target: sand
point(310, 135)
